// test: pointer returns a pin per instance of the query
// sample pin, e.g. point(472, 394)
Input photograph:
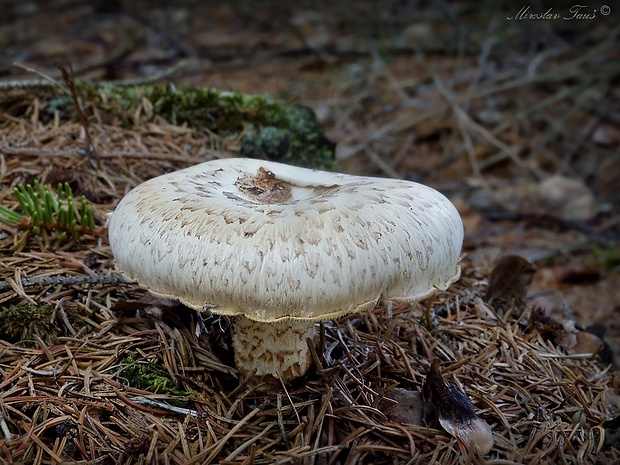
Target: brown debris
point(508, 285)
point(564, 334)
point(335, 412)
point(571, 275)
point(264, 187)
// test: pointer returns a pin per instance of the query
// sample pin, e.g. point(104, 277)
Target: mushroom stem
point(277, 349)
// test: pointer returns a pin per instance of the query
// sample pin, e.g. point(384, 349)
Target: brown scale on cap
point(264, 187)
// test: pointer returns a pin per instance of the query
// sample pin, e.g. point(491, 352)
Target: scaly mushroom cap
point(273, 242)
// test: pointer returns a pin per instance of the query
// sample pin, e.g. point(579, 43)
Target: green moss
point(608, 256)
point(58, 104)
point(299, 140)
point(148, 375)
point(197, 107)
point(20, 323)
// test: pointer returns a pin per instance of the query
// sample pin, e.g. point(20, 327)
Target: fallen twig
point(114, 278)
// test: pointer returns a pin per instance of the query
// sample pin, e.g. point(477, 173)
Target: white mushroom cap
point(272, 241)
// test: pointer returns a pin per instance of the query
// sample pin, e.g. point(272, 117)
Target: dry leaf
point(508, 284)
point(456, 412)
point(564, 334)
point(410, 407)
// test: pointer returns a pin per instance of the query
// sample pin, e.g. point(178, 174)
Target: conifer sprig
point(42, 212)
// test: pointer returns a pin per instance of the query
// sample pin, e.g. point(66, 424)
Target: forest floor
point(512, 114)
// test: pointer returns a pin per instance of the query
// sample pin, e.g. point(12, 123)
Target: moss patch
point(21, 323)
point(298, 139)
point(269, 128)
point(147, 375)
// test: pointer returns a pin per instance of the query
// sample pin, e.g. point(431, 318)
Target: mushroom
point(281, 247)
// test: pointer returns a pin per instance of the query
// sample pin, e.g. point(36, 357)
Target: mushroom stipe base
point(272, 350)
